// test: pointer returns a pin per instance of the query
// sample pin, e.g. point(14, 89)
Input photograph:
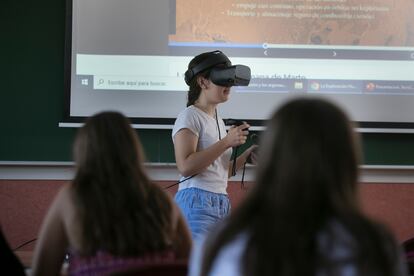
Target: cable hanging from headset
point(25, 243)
point(178, 182)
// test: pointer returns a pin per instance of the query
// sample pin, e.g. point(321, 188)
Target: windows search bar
point(104, 82)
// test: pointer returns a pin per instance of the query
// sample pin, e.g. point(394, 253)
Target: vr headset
point(222, 72)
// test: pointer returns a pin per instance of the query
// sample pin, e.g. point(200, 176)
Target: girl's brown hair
point(120, 210)
point(306, 180)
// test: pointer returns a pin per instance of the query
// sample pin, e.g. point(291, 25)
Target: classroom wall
point(23, 204)
point(31, 106)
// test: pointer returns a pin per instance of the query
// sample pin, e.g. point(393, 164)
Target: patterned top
point(103, 263)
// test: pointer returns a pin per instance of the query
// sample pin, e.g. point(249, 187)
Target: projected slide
point(312, 29)
point(131, 55)
point(308, 22)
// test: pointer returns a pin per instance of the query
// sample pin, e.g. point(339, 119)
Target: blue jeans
point(202, 209)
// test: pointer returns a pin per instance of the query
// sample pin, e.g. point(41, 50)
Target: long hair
point(306, 179)
point(119, 209)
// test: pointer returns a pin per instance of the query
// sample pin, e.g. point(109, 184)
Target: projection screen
point(131, 55)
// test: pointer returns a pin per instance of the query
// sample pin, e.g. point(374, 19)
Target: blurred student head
point(107, 146)
point(120, 209)
point(309, 162)
point(306, 188)
point(111, 217)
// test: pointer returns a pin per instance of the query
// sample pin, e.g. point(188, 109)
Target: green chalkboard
point(31, 103)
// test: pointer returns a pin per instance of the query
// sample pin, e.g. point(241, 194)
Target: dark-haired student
point(302, 217)
point(111, 217)
point(202, 146)
point(10, 264)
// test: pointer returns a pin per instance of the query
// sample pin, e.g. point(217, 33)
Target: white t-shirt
point(214, 177)
point(340, 250)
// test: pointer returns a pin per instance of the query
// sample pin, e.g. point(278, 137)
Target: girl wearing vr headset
point(202, 146)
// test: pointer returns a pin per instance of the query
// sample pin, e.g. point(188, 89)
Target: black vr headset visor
point(222, 72)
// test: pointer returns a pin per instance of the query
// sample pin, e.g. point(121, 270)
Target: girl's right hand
point(237, 135)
